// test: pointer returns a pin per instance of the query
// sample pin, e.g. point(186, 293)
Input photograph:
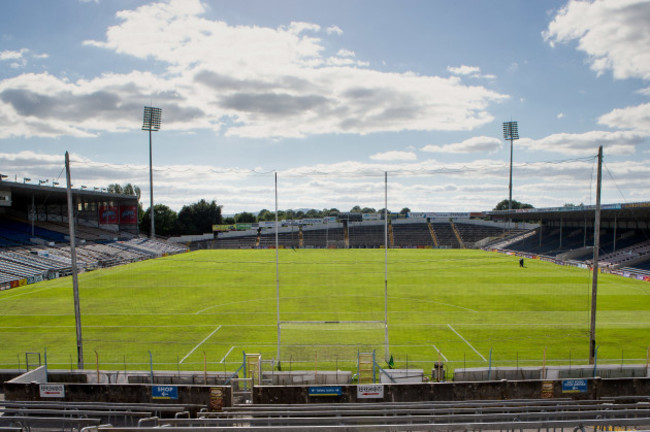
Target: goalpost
point(362, 334)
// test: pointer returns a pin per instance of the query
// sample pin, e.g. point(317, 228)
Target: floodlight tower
point(510, 132)
point(151, 123)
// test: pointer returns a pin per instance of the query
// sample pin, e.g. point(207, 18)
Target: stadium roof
point(620, 212)
point(24, 193)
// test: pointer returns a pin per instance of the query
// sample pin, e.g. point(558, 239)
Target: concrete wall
point(551, 372)
point(307, 377)
point(37, 375)
point(596, 388)
point(448, 391)
point(114, 393)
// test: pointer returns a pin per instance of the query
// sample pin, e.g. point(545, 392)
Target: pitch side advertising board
point(370, 391)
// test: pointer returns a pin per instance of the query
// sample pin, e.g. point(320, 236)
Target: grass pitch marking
point(227, 354)
point(440, 352)
point(199, 344)
point(468, 344)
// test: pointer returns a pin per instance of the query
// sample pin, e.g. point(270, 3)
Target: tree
point(130, 189)
point(199, 217)
point(368, 210)
point(127, 189)
point(405, 211)
point(265, 215)
point(115, 188)
point(355, 209)
point(313, 213)
point(503, 205)
point(245, 217)
point(164, 221)
point(331, 212)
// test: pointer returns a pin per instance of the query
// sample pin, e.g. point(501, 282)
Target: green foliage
point(245, 217)
point(164, 221)
point(503, 205)
point(127, 189)
point(198, 218)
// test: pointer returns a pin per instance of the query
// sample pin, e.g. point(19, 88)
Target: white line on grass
point(228, 353)
point(465, 340)
point(199, 344)
point(440, 352)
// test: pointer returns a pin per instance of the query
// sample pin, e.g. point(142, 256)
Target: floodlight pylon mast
point(511, 133)
point(594, 284)
point(151, 123)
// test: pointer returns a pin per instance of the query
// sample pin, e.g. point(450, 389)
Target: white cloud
point(394, 156)
point(585, 144)
point(464, 70)
point(560, 115)
point(470, 71)
point(613, 33)
point(19, 59)
point(301, 27)
point(479, 144)
point(334, 30)
point(426, 185)
point(245, 81)
point(12, 55)
point(635, 118)
point(44, 105)
point(345, 53)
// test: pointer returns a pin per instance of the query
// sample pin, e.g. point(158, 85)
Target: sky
point(338, 103)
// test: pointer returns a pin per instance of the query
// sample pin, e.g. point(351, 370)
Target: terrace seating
point(445, 234)
point(21, 233)
point(408, 235)
point(365, 235)
point(240, 242)
point(322, 237)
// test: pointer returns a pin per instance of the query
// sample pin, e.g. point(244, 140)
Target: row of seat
point(46, 261)
point(364, 235)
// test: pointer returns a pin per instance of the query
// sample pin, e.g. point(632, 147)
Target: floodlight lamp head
point(151, 119)
point(510, 130)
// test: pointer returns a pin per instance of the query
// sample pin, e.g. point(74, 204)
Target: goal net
point(331, 343)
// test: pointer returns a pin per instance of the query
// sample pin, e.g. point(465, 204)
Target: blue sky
point(330, 95)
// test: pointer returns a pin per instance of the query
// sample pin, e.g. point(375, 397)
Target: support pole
point(277, 270)
point(73, 259)
point(594, 284)
point(387, 348)
point(151, 212)
point(510, 187)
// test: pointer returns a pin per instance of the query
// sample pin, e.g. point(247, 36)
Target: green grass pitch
point(463, 307)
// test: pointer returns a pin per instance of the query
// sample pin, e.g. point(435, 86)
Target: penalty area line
point(227, 354)
point(441, 354)
point(468, 344)
point(199, 344)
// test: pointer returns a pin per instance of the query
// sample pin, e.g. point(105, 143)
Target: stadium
point(396, 309)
